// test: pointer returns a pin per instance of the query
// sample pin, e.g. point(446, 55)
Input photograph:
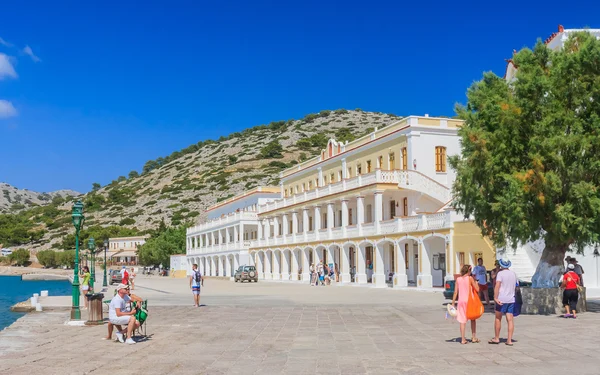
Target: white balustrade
point(405, 179)
point(417, 181)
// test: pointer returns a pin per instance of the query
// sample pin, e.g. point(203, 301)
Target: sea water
point(14, 290)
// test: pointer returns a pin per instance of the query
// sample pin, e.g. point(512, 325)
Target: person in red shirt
point(570, 294)
point(125, 278)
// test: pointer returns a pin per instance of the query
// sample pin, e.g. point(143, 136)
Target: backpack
point(197, 276)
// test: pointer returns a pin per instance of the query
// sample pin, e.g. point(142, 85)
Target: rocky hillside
point(13, 199)
point(178, 188)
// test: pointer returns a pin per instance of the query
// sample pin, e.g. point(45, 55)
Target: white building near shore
point(220, 245)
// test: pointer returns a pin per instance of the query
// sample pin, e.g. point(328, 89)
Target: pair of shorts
point(506, 308)
point(85, 287)
point(483, 287)
point(321, 278)
point(195, 290)
point(120, 320)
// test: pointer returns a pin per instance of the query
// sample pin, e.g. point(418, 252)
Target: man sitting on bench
point(118, 314)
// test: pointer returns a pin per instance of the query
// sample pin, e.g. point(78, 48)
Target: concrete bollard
point(38, 307)
point(44, 293)
point(34, 300)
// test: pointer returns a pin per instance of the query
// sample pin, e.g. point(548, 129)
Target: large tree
point(530, 165)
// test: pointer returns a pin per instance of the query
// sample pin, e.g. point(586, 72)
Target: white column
point(378, 267)
point(212, 238)
point(268, 274)
point(227, 266)
point(344, 169)
point(276, 226)
point(400, 278)
point(305, 266)
point(236, 234)
point(259, 230)
point(285, 224)
point(295, 224)
point(378, 211)
point(267, 230)
point(361, 275)
point(276, 265)
point(344, 217)
point(241, 234)
point(317, 221)
point(285, 270)
point(236, 263)
point(295, 261)
point(320, 176)
point(330, 218)
point(305, 222)
point(360, 213)
point(212, 266)
point(344, 264)
point(424, 279)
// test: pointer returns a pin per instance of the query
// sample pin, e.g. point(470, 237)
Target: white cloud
point(7, 109)
point(6, 67)
point(27, 50)
point(5, 43)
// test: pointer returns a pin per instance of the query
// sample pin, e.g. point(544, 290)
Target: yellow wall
point(179, 274)
point(468, 239)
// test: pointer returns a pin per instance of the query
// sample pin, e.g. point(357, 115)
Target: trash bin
point(95, 309)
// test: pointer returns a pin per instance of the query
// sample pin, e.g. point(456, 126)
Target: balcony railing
point(226, 219)
point(244, 245)
point(405, 179)
point(440, 220)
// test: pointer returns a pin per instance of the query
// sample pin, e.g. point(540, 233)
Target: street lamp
point(104, 283)
point(78, 219)
point(92, 249)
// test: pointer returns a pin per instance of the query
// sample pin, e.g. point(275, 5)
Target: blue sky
point(105, 87)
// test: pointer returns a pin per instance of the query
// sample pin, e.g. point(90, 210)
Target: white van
point(6, 252)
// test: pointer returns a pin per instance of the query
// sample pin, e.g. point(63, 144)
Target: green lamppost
point(92, 249)
point(78, 219)
point(104, 283)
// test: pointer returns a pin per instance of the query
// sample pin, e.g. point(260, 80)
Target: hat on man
point(504, 263)
point(571, 266)
point(122, 286)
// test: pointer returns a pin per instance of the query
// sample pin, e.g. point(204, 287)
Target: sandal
point(493, 342)
point(475, 341)
point(464, 342)
point(509, 344)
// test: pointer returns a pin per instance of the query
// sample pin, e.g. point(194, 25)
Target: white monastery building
point(376, 209)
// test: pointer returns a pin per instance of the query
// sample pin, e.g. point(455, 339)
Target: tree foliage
point(158, 249)
point(48, 258)
point(19, 257)
point(272, 150)
point(529, 167)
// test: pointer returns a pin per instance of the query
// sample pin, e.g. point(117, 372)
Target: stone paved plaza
point(273, 328)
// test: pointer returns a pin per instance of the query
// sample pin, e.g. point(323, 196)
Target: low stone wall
point(547, 301)
point(44, 276)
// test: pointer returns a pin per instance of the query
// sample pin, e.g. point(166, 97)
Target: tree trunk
point(551, 266)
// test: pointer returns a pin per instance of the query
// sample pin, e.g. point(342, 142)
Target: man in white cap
point(118, 314)
point(504, 296)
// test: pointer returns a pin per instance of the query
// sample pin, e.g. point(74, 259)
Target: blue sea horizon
point(14, 290)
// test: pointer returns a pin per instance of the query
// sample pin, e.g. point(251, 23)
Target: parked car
point(246, 273)
point(449, 287)
point(115, 277)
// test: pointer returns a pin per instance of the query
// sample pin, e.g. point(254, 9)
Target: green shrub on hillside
point(19, 257)
point(48, 258)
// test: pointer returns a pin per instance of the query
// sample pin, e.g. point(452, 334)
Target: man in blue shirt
point(480, 274)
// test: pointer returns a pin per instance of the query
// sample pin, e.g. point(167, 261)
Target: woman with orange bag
point(463, 288)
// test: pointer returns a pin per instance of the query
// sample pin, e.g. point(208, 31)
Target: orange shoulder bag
point(474, 306)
